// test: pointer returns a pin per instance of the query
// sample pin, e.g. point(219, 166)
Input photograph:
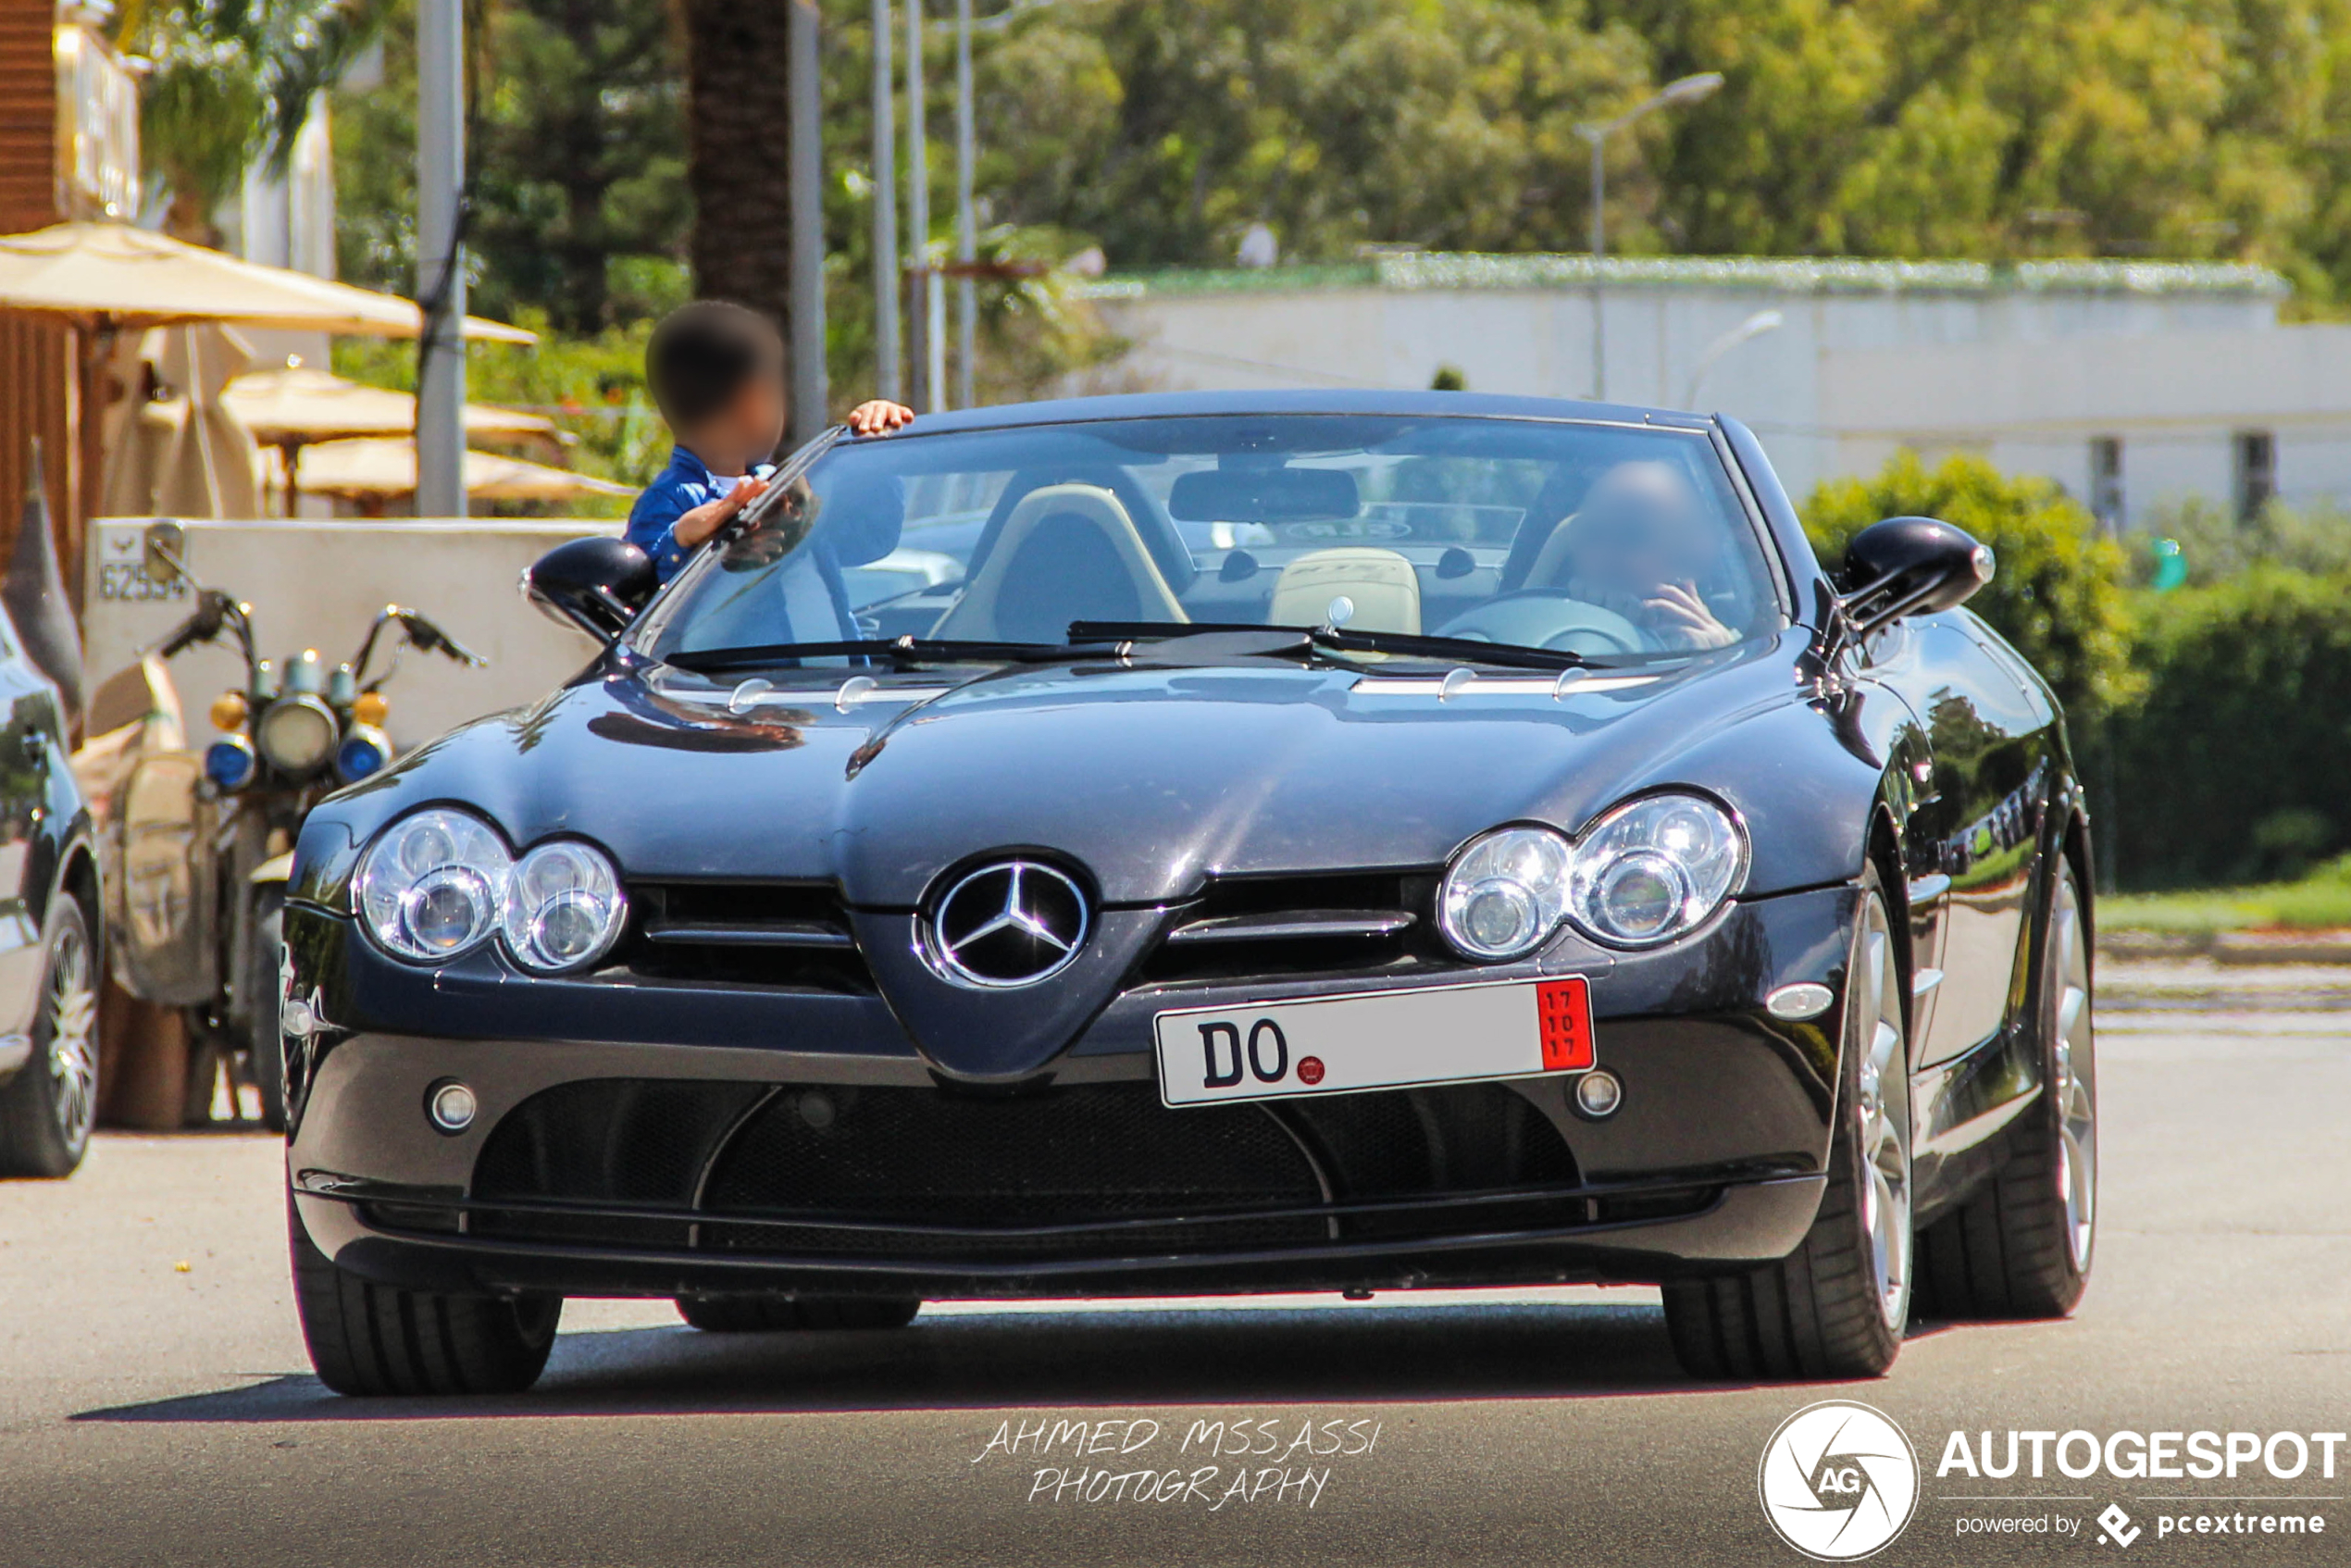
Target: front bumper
point(1715, 1156)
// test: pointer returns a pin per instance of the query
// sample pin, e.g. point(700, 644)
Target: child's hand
point(878, 418)
point(695, 527)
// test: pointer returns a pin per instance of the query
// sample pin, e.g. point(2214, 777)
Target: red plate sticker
point(1563, 1011)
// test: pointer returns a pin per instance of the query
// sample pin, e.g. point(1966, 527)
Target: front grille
point(792, 935)
point(1291, 927)
point(1087, 1171)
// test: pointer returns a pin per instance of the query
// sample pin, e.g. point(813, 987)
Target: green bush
point(2214, 545)
point(2230, 769)
point(2058, 594)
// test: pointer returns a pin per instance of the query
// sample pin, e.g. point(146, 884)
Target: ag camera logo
point(1839, 1480)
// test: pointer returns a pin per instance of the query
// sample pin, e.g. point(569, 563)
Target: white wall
point(316, 585)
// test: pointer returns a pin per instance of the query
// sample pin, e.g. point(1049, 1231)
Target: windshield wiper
point(897, 649)
point(1405, 644)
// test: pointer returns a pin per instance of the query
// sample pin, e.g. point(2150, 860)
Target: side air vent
point(785, 934)
point(1276, 926)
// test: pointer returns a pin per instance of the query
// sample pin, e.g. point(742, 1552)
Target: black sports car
point(1317, 842)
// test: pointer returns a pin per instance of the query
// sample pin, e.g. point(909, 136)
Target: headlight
point(1506, 893)
point(1654, 869)
point(230, 762)
point(434, 885)
point(365, 752)
point(297, 734)
point(564, 907)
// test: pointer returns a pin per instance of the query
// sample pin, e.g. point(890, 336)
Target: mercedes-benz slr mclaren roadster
point(1305, 843)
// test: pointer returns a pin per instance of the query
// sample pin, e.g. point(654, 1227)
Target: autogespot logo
point(1839, 1480)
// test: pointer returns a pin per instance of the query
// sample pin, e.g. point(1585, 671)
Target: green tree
point(2057, 592)
point(229, 84)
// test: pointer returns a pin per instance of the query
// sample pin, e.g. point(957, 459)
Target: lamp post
point(885, 193)
point(1683, 90)
point(1755, 326)
point(966, 219)
point(441, 258)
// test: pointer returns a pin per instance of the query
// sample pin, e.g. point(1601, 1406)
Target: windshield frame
point(646, 630)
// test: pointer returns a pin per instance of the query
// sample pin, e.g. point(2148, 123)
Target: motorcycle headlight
point(297, 734)
point(564, 907)
point(230, 762)
point(434, 885)
point(1654, 869)
point(1506, 893)
point(365, 752)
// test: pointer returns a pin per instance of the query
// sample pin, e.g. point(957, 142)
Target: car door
point(1991, 737)
point(27, 747)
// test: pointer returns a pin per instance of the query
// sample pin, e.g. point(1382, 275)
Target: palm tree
point(737, 131)
point(233, 82)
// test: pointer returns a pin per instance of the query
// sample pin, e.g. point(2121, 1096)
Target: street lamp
point(1683, 90)
point(1755, 326)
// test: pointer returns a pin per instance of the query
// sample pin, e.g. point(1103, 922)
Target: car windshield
point(1581, 539)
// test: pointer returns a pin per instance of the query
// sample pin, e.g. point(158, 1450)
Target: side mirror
point(596, 584)
point(1910, 566)
point(165, 557)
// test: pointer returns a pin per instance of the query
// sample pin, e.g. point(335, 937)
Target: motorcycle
point(206, 853)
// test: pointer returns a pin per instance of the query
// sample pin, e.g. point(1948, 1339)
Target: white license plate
point(1378, 1040)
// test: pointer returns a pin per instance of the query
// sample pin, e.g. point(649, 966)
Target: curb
point(2246, 948)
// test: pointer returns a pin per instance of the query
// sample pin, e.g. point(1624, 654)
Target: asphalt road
point(156, 1406)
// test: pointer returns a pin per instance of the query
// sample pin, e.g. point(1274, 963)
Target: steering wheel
point(1547, 617)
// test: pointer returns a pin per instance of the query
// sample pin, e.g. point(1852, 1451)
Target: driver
point(1640, 545)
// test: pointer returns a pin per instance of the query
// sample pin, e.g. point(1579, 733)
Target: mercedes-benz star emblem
point(1011, 924)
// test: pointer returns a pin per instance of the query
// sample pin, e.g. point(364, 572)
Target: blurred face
point(1640, 528)
point(755, 420)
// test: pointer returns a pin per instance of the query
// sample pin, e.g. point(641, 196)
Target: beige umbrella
point(108, 278)
point(111, 275)
point(372, 469)
point(300, 407)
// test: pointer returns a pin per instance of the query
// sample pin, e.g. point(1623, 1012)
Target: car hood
point(1148, 780)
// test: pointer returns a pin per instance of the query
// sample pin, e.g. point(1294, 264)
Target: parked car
point(1508, 858)
point(50, 917)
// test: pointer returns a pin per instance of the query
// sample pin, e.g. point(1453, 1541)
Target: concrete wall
point(1526, 326)
point(316, 585)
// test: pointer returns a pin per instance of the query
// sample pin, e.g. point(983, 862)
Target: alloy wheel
point(72, 1002)
point(1884, 1104)
point(2074, 1077)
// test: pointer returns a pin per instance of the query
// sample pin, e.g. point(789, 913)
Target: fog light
point(1598, 1093)
point(449, 1105)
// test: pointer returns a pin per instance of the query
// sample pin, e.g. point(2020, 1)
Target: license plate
point(1378, 1040)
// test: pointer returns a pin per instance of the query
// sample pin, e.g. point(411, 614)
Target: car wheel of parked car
point(1836, 1306)
point(2020, 1246)
point(771, 1314)
point(266, 1045)
point(371, 1338)
point(48, 1109)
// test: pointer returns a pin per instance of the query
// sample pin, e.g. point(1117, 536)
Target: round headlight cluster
point(441, 882)
point(297, 734)
point(1646, 873)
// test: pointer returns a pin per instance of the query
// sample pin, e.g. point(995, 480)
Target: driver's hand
point(694, 527)
point(1676, 613)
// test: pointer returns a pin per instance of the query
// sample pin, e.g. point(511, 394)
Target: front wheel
point(1836, 1306)
point(375, 1339)
point(2020, 1246)
point(48, 1109)
point(265, 1042)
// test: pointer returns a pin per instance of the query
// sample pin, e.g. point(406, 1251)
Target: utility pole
point(926, 351)
point(885, 195)
point(810, 392)
point(966, 219)
point(440, 260)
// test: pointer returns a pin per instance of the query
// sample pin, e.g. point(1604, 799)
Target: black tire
point(265, 1044)
point(773, 1314)
point(375, 1339)
point(1836, 1306)
point(48, 1109)
point(2020, 1246)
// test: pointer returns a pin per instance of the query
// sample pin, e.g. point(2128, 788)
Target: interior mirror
point(596, 584)
point(1911, 567)
point(1263, 496)
point(167, 553)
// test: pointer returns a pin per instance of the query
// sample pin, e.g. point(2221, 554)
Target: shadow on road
point(1079, 1358)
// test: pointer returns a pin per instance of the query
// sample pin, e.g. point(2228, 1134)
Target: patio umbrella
point(373, 469)
point(299, 406)
point(108, 278)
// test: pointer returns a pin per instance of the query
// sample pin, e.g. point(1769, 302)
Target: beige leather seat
point(1068, 551)
point(1553, 562)
point(1382, 583)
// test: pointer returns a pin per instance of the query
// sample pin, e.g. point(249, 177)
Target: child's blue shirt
point(685, 484)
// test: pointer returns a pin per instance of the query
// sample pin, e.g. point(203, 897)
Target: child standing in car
point(716, 371)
